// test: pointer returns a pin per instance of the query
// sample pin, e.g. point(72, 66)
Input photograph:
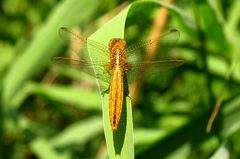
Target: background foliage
point(52, 111)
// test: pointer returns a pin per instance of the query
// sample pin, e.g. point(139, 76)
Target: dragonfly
point(117, 65)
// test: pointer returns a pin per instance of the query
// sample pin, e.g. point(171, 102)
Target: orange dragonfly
point(116, 65)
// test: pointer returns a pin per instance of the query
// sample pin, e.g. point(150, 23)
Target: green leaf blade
point(120, 143)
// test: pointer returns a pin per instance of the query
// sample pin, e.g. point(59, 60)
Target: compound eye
point(111, 43)
point(122, 43)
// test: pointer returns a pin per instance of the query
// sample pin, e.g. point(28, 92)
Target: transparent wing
point(94, 69)
point(73, 39)
point(164, 42)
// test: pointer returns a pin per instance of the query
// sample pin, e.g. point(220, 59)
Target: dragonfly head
point(117, 43)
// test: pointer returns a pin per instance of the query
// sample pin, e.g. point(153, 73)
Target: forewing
point(161, 44)
point(75, 41)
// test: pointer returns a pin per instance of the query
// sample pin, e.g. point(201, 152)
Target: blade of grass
point(89, 100)
point(44, 150)
point(73, 135)
point(120, 143)
point(222, 153)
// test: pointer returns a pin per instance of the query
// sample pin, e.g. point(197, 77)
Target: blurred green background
point(50, 111)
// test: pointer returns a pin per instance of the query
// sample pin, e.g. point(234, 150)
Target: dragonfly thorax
point(117, 43)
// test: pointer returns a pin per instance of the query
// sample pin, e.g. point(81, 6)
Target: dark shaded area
point(118, 136)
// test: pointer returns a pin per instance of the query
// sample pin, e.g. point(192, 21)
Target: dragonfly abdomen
point(116, 97)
